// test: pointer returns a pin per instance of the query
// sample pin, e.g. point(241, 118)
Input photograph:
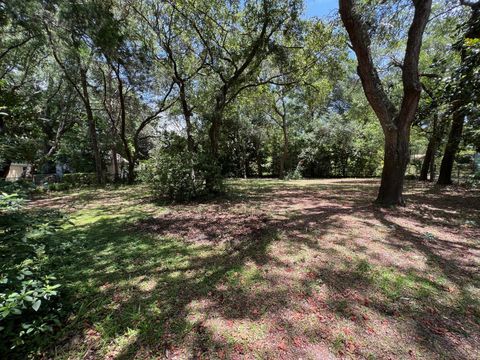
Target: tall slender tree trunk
point(189, 128)
point(187, 115)
point(432, 165)
point(131, 157)
point(244, 166)
point(92, 128)
point(454, 138)
point(281, 168)
point(5, 168)
point(429, 159)
point(428, 165)
point(259, 160)
point(115, 164)
point(131, 171)
point(284, 157)
point(214, 135)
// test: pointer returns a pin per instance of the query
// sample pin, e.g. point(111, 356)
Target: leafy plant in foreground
point(29, 298)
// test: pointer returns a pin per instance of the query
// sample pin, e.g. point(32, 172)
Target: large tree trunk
point(216, 121)
point(92, 128)
point(454, 138)
point(396, 158)
point(131, 172)
point(395, 122)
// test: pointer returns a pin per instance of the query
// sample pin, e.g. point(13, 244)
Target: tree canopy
point(241, 88)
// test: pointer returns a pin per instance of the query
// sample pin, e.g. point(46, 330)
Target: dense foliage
point(29, 298)
point(94, 86)
point(178, 174)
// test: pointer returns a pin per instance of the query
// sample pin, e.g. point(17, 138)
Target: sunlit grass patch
point(395, 285)
point(244, 276)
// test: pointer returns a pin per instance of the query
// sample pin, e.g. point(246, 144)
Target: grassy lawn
point(285, 270)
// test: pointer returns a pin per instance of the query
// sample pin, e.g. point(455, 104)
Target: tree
point(21, 44)
point(235, 49)
point(437, 62)
point(464, 91)
point(395, 121)
point(182, 58)
point(438, 120)
point(71, 49)
point(119, 48)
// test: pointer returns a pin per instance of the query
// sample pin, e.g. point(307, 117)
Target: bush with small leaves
point(178, 174)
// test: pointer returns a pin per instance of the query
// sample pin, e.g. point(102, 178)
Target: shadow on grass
point(150, 279)
point(133, 279)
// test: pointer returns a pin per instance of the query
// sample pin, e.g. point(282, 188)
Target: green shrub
point(21, 187)
point(294, 175)
point(29, 301)
point(59, 186)
point(10, 202)
point(79, 179)
point(29, 306)
point(178, 174)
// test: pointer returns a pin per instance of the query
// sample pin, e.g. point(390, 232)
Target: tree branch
point(372, 85)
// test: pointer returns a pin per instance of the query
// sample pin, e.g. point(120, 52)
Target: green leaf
point(36, 305)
